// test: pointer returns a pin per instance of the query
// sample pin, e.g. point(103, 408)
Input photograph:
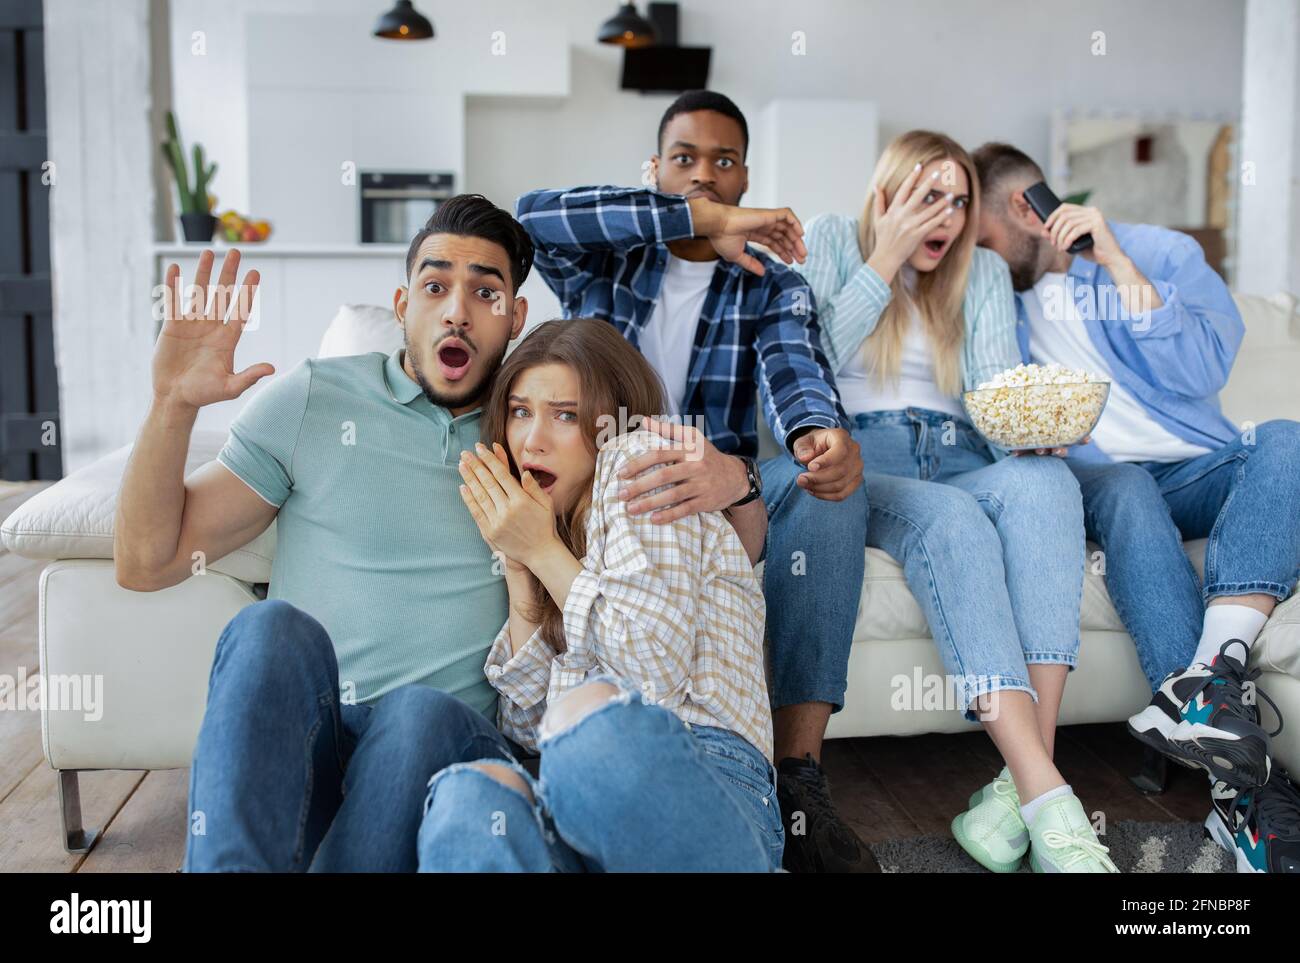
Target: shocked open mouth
point(935, 248)
point(453, 361)
point(543, 477)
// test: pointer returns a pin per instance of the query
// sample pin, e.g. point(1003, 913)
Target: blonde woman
point(911, 313)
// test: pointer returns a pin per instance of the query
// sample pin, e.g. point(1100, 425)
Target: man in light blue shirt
point(1142, 307)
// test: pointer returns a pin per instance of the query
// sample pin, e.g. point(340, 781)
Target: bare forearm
point(519, 585)
point(750, 523)
point(556, 568)
point(151, 504)
point(706, 216)
point(1139, 295)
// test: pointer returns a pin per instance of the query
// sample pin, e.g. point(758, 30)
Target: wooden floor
point(887, 788)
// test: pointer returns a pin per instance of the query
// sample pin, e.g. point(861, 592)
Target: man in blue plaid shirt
point(721, 323)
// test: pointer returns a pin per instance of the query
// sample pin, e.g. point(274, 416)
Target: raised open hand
point(920, 205)
point(194, 359)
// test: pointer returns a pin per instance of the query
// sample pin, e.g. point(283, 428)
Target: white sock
point(1224, 622)
point(1030, 809)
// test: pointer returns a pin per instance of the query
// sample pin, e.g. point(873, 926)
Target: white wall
point(978, 71)
point(546, 113)
point(993, 69)
point(100, 93)
point(1270, 195)
point(283, 93)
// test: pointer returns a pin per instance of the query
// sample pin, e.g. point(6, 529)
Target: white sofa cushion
point(1262, 385)
point(360, 329)
point(74, 519)
point(888, 611)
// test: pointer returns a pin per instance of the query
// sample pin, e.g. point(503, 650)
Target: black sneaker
point(1202, 717)
point(817, 840)
point(1260, 827)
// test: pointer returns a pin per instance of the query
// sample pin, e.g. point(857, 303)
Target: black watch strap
point(755, 482)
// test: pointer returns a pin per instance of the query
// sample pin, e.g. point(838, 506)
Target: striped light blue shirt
point(851, 297)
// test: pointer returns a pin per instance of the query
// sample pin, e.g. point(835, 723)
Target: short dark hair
point(694, 100)
point(473, 215)
point(996, 163)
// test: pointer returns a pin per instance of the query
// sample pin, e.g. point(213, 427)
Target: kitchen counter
point(301, 290)
point(274, 248)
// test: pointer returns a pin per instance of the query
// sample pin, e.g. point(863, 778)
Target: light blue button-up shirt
point(1174, 361)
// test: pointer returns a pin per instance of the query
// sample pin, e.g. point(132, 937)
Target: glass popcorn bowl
point(1027, 417)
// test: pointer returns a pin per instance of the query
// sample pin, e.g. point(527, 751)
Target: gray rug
point(1135, 847)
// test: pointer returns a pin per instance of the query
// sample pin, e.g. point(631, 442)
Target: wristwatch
point(755, 482)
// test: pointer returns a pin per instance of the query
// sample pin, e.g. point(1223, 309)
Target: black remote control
point(1043, 201)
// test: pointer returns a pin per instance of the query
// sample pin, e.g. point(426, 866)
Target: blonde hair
point(939, 293)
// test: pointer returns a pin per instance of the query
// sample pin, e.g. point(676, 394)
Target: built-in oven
point(396, 204)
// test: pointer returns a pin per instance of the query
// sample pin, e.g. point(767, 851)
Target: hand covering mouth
point(544, 477)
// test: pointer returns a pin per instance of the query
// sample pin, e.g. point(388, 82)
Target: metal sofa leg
point(75, 838)
point(1151, 779)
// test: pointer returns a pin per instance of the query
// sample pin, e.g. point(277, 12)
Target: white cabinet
point(300, 291)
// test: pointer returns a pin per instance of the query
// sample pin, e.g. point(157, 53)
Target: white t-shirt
point(669, 336)
point(861, 391)
point(1125, 432)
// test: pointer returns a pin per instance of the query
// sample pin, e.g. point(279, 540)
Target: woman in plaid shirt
point(633, 654)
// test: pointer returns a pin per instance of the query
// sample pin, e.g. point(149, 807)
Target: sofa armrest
point(139, 662)
point(74, 518)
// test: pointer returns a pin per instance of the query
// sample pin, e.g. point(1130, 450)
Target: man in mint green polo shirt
point(331, 704)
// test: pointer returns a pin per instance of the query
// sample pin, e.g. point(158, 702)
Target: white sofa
point(154, 650)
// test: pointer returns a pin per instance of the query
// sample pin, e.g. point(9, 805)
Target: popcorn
point(1037, 406)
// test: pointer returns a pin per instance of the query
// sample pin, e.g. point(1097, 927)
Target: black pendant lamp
point(403, 22)
point(627, 28)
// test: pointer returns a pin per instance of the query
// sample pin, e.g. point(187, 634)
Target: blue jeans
point(993, 551)
point(285, 779)
point(812, 580)
point(1244, 498)
point(629, 787)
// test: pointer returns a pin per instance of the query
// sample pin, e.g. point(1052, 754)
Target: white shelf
point(272, 248)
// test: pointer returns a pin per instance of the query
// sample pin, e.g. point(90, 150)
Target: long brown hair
point(617, 383)
point(939, 293)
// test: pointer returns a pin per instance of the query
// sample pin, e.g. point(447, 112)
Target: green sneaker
point(984, 791)
point(1062, 840)
point(991, 830)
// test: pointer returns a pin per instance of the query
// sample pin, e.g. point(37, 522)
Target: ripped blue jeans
point(624, 786)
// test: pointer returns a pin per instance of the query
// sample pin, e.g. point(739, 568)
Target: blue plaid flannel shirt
point(604, 250)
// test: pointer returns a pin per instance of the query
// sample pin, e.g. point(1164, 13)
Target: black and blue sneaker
point(1205, 717)
point(1260, 827)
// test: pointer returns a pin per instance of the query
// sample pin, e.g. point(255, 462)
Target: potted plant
point(197, 222)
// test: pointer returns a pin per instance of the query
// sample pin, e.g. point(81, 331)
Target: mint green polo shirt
point(373, 540)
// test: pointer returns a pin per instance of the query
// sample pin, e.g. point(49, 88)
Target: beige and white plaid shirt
point(674, 610)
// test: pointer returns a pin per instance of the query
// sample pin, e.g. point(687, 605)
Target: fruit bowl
point(1024, 417)
point(237, 229)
